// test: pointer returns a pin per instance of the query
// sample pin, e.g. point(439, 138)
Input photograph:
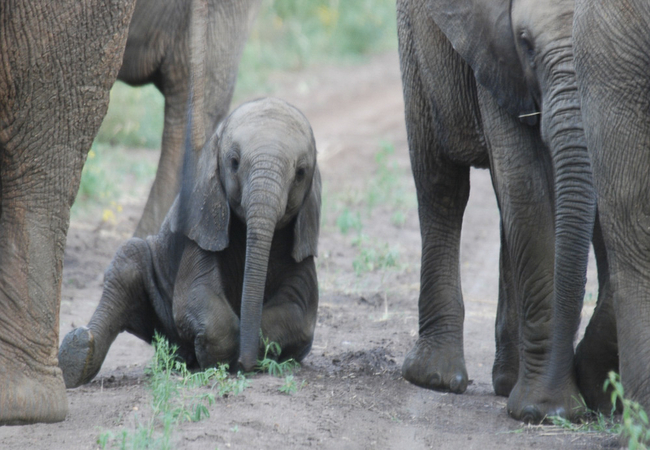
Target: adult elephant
point(613, 70)
point(157, 51)
point(59, 61)
point(491, 83)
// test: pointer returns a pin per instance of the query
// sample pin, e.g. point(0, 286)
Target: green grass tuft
point(177, 396)
point(634, 419)
point(269, 362)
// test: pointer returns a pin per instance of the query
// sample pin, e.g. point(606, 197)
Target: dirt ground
point(353, 395)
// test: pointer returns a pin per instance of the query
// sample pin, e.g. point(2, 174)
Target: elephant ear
point(202, 212)
point(481, 32)
point(306, 228)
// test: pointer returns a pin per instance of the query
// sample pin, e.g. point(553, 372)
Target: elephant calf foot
point(76, 357)
point(533, 404)
point(437, 367)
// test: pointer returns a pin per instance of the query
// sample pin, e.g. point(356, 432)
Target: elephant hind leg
point(597, 353)
point(125, 305)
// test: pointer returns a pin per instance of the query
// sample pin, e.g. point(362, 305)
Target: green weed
point(174, 399)
point(97, 184)
point(386, 187)
point(633, 425)
point(634, 419)
point(269, 363)
point(373, 256)
point(589, 422)
point(106, 172)
point(398, 219)
point(290, 385)
point(348, 220)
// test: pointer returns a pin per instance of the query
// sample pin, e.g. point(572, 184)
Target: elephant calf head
point(259, 165)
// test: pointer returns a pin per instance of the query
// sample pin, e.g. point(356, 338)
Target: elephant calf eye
point(300, 174)
point(234, 164)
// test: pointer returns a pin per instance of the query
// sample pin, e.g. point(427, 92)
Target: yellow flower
point(109, 216)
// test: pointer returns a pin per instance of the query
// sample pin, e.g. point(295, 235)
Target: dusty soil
point(353, 394)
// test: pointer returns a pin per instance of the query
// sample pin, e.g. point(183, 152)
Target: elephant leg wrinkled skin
point(479, 94)
point(157, 51)
point(201, 311)
point(612, 65)
point(54, 87)
point(597, 353)
point(522, 178)
point(437, 360)
point(505, 369)
point(125, 305)
point(290, 319)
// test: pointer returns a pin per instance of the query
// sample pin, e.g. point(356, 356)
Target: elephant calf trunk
point(258, 248)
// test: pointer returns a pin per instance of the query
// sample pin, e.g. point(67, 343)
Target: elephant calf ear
point(481, 32)
point(306, 228)
point(202, 212)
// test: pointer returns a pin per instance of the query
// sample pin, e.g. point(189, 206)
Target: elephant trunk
point(575, 204)
point(264, 205)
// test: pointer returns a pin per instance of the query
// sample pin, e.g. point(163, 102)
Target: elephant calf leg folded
point(124, 301)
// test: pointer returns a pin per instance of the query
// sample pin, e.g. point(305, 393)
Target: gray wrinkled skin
point(235, 253)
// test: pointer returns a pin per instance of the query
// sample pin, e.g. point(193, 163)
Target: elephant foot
point(503, 380)
point(27, 397)
point(534, 405)
point(76, 357)
point(435, 367)
point(592, 369)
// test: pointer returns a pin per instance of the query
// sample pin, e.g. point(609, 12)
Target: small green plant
point(634, 422)
point(373, 257)
point(290, 386)
point(398, 219)
point(348, 220)
point(589, 421)
point(96, 182)
point(269, 363)
point(174, 398)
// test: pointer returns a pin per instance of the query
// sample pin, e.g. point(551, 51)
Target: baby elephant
point(234, 255)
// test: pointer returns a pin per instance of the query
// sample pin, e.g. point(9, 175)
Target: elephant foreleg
point(522, 176)
point(289, 316)
point(126, 305)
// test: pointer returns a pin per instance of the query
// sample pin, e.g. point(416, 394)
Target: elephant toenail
point(531, 414)
point(435, 380)
point(458, 384)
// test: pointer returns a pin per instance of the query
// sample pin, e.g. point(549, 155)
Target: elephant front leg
point(31, 260)
point(289, 316)
point(522, 178)
point(437, 360)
